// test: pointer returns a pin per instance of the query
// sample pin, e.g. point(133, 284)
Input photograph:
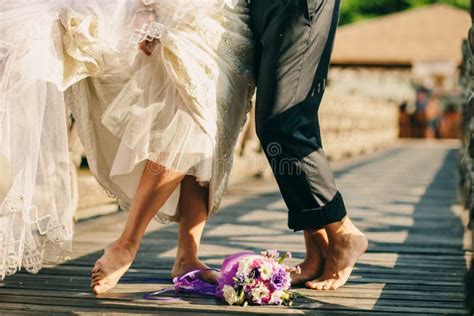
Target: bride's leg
point(193, 207)
point(155, 187)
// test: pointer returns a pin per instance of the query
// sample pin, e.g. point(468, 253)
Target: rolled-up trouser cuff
point(317, 218)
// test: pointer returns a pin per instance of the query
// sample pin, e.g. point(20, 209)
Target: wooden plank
point(205, 305)
point(129, 291)
point(161, 270)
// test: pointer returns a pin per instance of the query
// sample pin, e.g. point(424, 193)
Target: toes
point(214, 277)
point(98, 281)
point(99, 289)
point(328, 285)
point(97, 268)
point(311, 284)
point(97, 278)
point(322, 285)
point(97, 275)
point(315, 284)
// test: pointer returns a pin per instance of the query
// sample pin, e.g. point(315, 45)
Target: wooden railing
point(467, 140)
point(466, 156)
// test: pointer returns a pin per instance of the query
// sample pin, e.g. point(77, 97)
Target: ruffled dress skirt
point(182, 107)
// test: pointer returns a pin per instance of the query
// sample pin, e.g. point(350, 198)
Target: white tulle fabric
point(181, 107)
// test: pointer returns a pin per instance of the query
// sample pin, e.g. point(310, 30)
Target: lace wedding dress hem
point(182, 107)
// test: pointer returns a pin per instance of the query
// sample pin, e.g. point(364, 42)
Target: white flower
point(245, 263)
point(259, 292)
point(243, 267)
point(230, 295)
point(266, 270)
point(276, 297)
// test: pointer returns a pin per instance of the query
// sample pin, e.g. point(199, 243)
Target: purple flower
point(279, 280)
point(229, 270)
point(240, 279)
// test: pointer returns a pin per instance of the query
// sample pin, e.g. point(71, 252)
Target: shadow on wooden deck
point(430, 262)
point(415, 261)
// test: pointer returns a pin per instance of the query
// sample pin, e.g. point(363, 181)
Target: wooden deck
point(403, 198)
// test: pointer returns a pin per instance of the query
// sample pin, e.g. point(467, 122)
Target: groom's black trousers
point(294, 40)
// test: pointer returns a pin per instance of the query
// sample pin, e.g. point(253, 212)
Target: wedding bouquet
point(246, 279)
point(251, 279)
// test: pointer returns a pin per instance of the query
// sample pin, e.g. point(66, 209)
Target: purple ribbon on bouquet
point(188, 283)
point(191, 283)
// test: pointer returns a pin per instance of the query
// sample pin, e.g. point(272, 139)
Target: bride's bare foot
point(107, 271)
point(183, 266)
point(346, 245)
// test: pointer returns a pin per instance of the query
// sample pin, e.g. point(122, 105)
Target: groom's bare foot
point(183, 266)
point(117, 259)
point(316, 243)
point(346, 245)
point(310, 268)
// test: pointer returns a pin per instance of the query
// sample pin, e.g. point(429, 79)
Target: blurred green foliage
point(356, 10)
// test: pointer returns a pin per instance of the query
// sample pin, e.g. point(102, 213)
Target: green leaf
point(282, 258)
point(241, 297)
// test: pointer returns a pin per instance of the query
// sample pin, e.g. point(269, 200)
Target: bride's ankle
point(121, 243)
point(186, 260)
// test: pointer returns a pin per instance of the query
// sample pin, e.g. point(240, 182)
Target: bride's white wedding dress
point(182, 107)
